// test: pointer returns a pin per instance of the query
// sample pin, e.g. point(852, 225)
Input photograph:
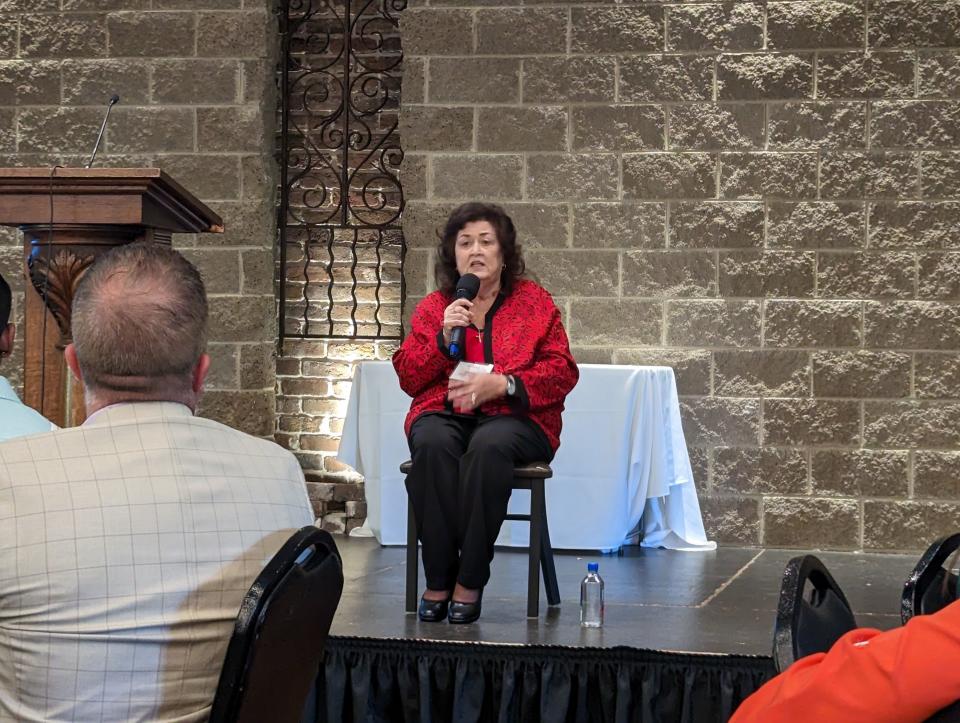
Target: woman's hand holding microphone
point(468, 394)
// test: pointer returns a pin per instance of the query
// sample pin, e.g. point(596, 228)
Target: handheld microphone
point(114, 99)
point(467, 288)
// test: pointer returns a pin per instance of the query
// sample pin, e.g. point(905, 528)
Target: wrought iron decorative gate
point(341, 246)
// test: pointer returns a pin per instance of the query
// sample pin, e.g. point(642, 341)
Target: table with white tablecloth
point(622, 472)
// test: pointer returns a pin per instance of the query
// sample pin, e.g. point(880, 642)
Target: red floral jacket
point(523, 336)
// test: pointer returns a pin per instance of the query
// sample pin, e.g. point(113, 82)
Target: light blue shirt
point(16, 418)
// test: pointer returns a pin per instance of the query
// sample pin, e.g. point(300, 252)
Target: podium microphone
point(467, 288)
point(114, 99)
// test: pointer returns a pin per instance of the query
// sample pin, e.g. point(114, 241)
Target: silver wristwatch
point(511, 385)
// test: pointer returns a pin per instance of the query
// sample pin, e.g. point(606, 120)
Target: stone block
point(714, 420)
point(144, 130)
point(924, 425)
point(576, 273)
point(713, 323)
point(915, 124)
point(937, 376)
point(861, 374)
point(258, 366)
point(151, 34)
point(560, 177)
point(938, 74)
point(936, 474)
point(540, 225)
point(195, 80)
point(418, 271)
point(191, 4)
point(257, 266)
point(859, 74)
point(531, 128)
point(223, 367)
point(906, 525)
point(527, 31)
point(246, 34)
point(51, 129)
point(911, 325)
point(811, 523)
point(423, 222)
point(431, 32)
point(92, 82)
point(657, 78)
point(616, 30)
point(731, 520)
point(208, 176)
point(859, 473)
point(746, 470)
point(914, 225)
point(619, 225)
point(940, 174)
point(335, 523)
point(716, 126)
point(569, 80)
point(592, 355)
point(766, 76)
point(474, 80)
point(766, 273)
point(436, 128)
point(799, 125)
point(938, 276)
point(495, 177)
point(247, 223)
point(715, 26)
point(63, 35)
point(800, 324)
point(809, 422)
point(250, 412)
point(761, 373)
point(669, 175)
point(618, 128)
point(231, 129)
point(413, 175)
point(249, 318)
point(600, 322)
point(413, 81)
point(768, 175)
point(669, 274)
point(911, 24)
point(220, 269)
point(9, 33)
point(691, 368)
point(716, 225)
point(858, 275)
point(815, 24)
point(867, 175)
point(34, 82)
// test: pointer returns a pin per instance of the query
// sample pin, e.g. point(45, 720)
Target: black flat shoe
point(432, 611)
point(462, 613)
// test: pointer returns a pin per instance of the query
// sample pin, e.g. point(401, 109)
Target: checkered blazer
point(126, 546)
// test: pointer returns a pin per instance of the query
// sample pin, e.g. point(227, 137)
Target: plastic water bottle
point(591, 597)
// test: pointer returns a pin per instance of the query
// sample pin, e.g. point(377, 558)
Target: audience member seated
point(16, 418)
point(127, 543)
point(899, 676)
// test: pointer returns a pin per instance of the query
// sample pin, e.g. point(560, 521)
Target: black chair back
point(812, 614)
point(276, 649)
point(924, 591)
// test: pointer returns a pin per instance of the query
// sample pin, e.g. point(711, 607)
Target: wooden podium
point(69, 216)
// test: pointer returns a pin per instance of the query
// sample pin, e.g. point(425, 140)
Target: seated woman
point(467, 435)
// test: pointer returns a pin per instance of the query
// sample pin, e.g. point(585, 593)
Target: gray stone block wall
point(763, 195)
point(197, 99)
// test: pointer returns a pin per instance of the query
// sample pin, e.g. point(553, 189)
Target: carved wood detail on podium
point(56, 280)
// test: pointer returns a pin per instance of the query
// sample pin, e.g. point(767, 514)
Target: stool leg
point(546, 562)
point(413, 561)
point(536, 538)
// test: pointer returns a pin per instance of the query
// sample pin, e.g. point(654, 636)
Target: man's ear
point(70, 356)
point(200, 373)
point(6, 338)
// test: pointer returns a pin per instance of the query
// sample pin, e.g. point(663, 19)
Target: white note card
point(465, 370)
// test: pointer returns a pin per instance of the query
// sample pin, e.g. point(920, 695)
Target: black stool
point(540, 553)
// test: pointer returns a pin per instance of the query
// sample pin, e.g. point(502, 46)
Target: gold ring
point(473, 398)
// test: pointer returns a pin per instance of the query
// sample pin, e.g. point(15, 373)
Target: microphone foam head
point(114, 99)
point(467, 286)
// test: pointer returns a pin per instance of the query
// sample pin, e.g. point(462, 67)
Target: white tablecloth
point(622, 462)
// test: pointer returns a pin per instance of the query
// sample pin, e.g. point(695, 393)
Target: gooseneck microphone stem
point(114, 99)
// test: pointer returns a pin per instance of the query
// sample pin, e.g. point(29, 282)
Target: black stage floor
point(691, 602)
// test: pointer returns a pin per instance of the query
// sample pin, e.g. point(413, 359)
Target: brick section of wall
point(764, 196)
point(197, 100)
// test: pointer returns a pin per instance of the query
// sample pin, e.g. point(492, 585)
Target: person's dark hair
point(139, 319)
point(6, 303)
point(445, 270)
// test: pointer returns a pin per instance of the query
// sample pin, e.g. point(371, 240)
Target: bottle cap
point(593, 567)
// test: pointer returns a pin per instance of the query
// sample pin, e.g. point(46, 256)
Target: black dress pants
point(459, 485)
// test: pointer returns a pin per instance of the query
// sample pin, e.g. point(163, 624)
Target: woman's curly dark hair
point(445, 270)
